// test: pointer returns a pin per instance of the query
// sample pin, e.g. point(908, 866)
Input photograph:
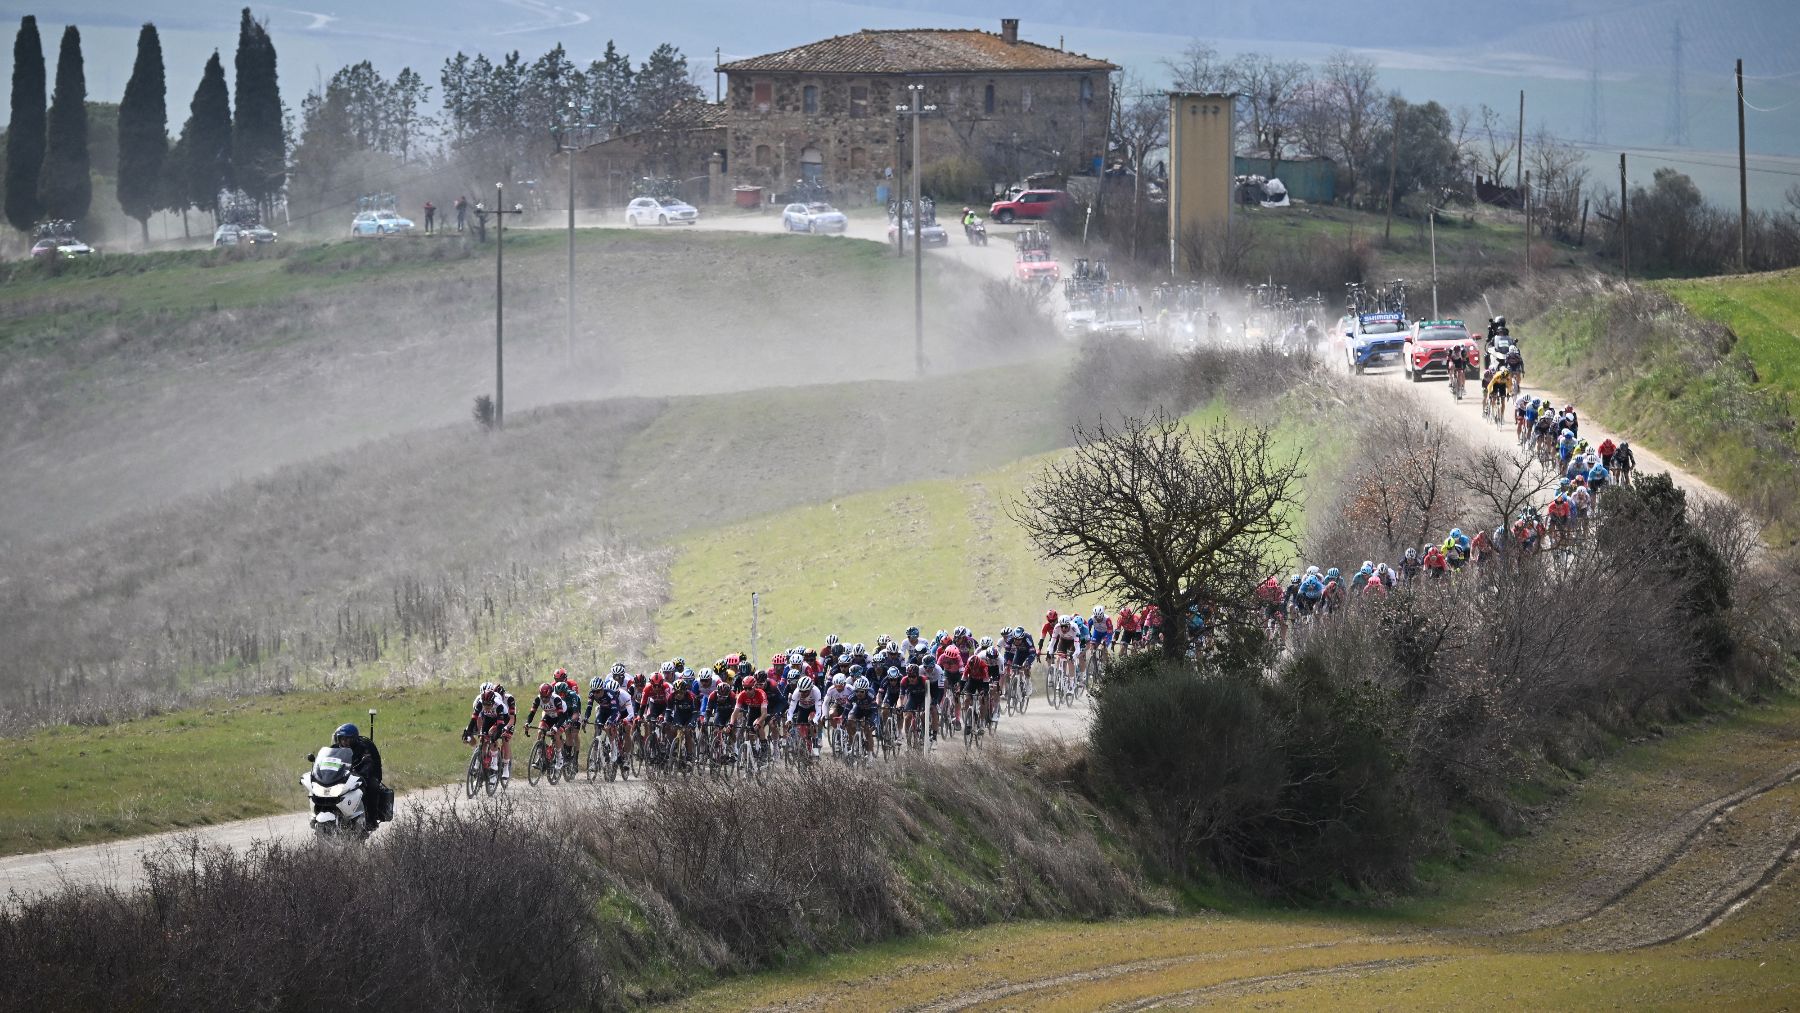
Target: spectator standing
point(430, 216)
point(462, 213)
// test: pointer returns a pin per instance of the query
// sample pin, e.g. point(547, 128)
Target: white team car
point(660, 211)
point(816, 218)
point(380, 223)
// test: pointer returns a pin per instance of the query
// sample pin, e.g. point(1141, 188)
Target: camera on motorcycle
point(310, 757)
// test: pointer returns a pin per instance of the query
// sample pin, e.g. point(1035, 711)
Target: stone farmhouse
point(825, 111)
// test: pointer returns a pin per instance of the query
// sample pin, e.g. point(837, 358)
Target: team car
point(67, 249)
point(933, 233)
point(1428, 344)
point(380, 223)
point(661, 211)
point(1036, 266)
point(816, 218)
point(1374, 339)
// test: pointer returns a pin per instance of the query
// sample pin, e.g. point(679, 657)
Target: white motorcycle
point(337, 794)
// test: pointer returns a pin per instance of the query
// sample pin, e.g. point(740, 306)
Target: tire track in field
point(1273, 982)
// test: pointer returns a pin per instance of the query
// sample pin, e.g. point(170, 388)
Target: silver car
point(660, 211)
point(817, 218)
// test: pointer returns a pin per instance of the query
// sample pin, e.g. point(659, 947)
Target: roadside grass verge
point(1707, 376)
point(77, 785)
point(1445, 950)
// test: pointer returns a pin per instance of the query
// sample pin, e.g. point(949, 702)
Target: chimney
point(1009, 30)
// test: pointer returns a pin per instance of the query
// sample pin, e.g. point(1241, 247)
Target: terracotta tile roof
point(918, 51)
point(692, 115)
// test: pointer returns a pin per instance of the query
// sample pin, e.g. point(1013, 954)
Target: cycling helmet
point(706, 676)
point(1050, 616)
point(595, 684)
point(794, 673)
point(991, 654)
point(839, 679)
point(618, 670)
point(560, 675)
point(345, 731)
point(680, 664)
point(862, 684)
point(1295, 579)
point(668, 668)
point(1332, 574)
point(883, 640)
point(859, 649)
point(1312, 571)
point(1456, 533)
point(657, 679)
point(609, 686)
point(952, 652)
point(1099, 610)
point(962, 631)
point(892, 672)
point(1412, 553)
point(745, 668)
point(987, 642)
point(488, 695)
point(804, 686)
point(912, 633)
point(544, 690)
point(749, 682)
point(856, 670)
point(831, 640)
point(719, 667)
point(810, 655)
point(486, 687)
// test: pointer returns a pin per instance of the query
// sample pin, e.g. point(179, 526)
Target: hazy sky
point(1549, 48)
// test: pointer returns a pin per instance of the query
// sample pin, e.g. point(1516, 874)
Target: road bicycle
point(484, 767)
point(543, 762)
point(973, 727)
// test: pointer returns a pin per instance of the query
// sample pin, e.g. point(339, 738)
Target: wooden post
point(1527, 219)
point(1581, 240)
point(1387, 228)
point(1624, 221)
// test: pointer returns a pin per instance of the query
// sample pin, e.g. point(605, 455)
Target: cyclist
point(1269, 595)
point(982, 669)
point(950, 659)
point(1410, 565)
point(556, 711)
point(1435, 566)
point(1334, 590)
point(803, 711)
point(937, 681)
point(1481, 547)
point(887, 691)
point(860, 712)
point(914, 688)
point(1456, 549)
point(1021, 651)
point(1360, 579)
point(609, 707)
point(492, 721)
point(1458, 365)
point(1312, 591)
point(751, 704)
point(914, 646)
point(1126, 628)
point(570, 691)
point(683, 714)
point(1499, 388)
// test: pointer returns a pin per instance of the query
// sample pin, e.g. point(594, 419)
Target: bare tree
point(1217, 252)
point(1558, 173)
point(1499, 144)
point(1505, 481)
point(1140, 126)
point(1271, 91)
point(1152, 511)
point(1200, 68)
point(1352, 87)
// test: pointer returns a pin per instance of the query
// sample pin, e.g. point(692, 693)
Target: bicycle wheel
point(553, 769)
point(537, 763)
point(476, 774)
point(596, 756)
point(493, 781)
point(1024, 692)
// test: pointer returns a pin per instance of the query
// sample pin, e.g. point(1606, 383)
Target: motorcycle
point(976, 231)
point(336, 793)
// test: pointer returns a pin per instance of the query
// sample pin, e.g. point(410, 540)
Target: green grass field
point(76, 785)
point(1763, 310)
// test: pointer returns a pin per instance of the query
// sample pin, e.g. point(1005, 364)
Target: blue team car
point(1374, 339)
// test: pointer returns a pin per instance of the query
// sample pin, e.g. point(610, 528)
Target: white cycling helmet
point(862, 684)
point(839, 679)
point(486, 686)
point(1099, 610)
point(596, 684)
point(804, 686)
point(831, 640)
point(610, 686)
point(618, 670)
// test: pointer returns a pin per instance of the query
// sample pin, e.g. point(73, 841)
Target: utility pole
point(1387, 228)
point(916, 111)
point(1432, 212)
point(1624, 221)
point(1527, 219)
point(1743, 180)
point(572, 139)
point(1519, 162)
point(718, 93)
point(500, 211)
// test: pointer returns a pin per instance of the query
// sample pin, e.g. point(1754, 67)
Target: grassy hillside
point(132, 381)
point(1493, 939)
point(1707, 371)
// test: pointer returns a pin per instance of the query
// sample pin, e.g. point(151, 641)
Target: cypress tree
point(143, 132)
point(258, 140)
point(65, 188)
point(206, 139)
point(25, 134)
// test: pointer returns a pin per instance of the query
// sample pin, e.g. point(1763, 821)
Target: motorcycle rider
point(365, 763)
point(1497, 329)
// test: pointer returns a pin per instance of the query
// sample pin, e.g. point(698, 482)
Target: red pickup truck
point(1428, 345)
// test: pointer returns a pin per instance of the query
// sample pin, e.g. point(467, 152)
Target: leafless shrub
point(464, 909)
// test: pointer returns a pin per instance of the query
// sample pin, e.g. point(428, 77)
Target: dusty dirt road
point(120, 863)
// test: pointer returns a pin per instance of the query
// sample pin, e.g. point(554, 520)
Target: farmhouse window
point(859, 101)
point(987, 100)
point(809, 98)
point(762, 156)
point(1087, 89)
point(764, 96)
